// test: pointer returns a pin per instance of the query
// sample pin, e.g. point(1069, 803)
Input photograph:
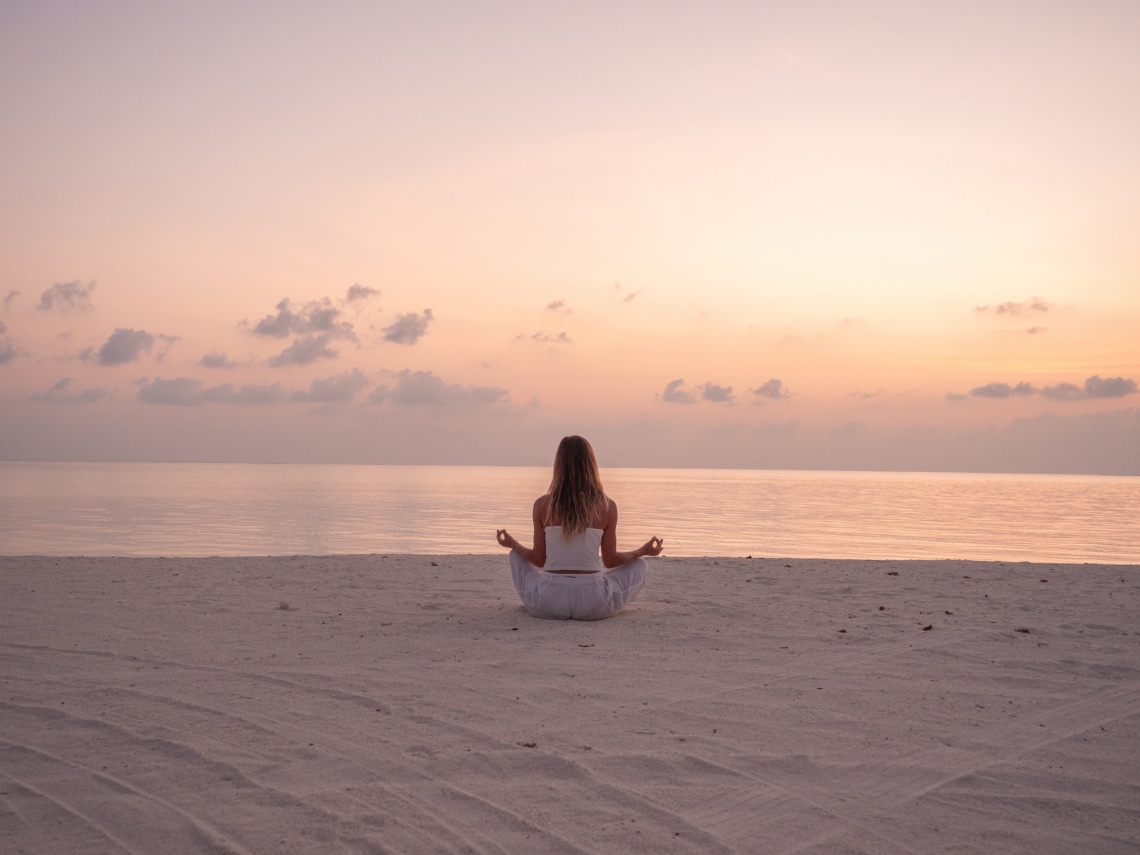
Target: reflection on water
point(194, 509)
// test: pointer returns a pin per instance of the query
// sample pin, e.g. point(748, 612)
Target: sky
point(822, 235)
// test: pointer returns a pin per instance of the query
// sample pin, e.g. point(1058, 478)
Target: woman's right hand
point(652, 547)
point(505, 539)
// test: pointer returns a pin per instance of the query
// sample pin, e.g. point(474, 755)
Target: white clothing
point(576, 596)
point(579, 553)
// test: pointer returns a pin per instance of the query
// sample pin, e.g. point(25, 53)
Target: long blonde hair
point(575, 492)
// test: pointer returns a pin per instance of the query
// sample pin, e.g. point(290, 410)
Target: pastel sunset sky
point(833, 235)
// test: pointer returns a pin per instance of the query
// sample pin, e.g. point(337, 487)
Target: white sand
point(172, 706)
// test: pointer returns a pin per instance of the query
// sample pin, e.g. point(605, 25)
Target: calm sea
point(196, 509)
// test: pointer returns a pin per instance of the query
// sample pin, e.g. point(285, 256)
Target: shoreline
point(482, 556)
point(408, 703)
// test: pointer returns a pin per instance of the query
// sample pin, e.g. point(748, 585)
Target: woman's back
point(580, 552)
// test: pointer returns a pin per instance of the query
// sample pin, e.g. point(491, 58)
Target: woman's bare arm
point(536, 555)
point(610, 556)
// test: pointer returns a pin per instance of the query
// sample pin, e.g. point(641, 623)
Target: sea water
point(198, 509)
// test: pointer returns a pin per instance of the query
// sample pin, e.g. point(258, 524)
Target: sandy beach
point(407, 703)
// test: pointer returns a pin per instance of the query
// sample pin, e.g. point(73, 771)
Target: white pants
point(576, 596)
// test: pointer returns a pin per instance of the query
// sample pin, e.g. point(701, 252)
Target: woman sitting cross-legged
point(574, 571)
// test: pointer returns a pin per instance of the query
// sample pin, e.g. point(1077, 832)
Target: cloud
point(408, 328)
point(1094, 387)
point(1002, 390)
point(58, 394)
point(178, 391)
point(338, 389)
point(12, 295)
point(1064, 392)
point(630, 297)
point(188, 392)
point(557, 306)
point(545, 337)
point(8, 351)
point(216, 360)
point(358, 292)
point(3, 328)
point(423, 388)
point(305, 351)
point(718, 394)
point(676, 393)
point(955, 396)
point(123, 346)
point(247, 395)
point(1110, 387)
point(1025, 307)
point(279, 325)
point(1105, 443)
point(64, 297)
point(1036, 330)
point(773, 390)
point(853, 428)
point(315, 317)
point(166, 342)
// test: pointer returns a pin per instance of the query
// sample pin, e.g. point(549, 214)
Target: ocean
point(199, 509)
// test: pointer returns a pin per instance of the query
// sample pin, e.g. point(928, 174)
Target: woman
point(562, 576)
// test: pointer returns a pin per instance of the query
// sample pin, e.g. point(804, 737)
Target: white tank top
point(579, 553)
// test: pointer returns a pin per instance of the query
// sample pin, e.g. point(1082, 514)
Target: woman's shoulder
point(606, 514)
